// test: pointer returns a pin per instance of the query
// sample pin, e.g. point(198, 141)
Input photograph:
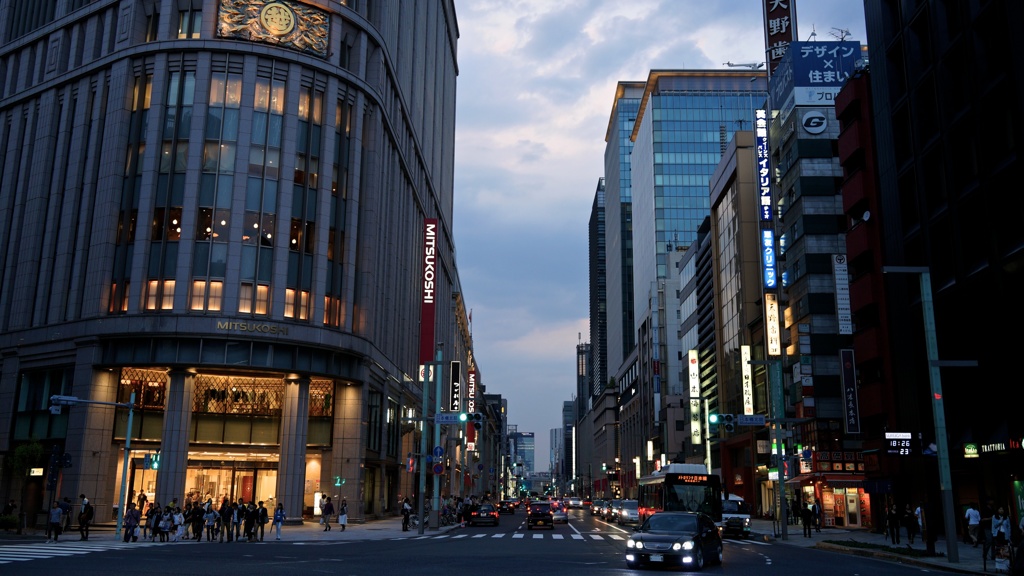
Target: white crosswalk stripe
point(40, 551)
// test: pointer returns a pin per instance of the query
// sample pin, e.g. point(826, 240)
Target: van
point(735, 516)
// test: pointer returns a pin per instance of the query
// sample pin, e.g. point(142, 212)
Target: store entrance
point(219, 481)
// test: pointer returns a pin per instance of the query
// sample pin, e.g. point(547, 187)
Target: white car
point(575, 503)
point(559, 514)
point(629, 512)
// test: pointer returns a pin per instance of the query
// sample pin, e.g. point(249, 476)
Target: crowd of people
point(229, 522)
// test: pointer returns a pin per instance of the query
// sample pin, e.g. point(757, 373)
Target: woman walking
point(279, 518)
point(343, 514)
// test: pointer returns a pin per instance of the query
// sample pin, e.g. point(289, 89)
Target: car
point(675, 539)
point(484, 514)
point(575, 503)
point(506, 507)
point(559, 513)
point(629, 512)
point(595, 507)
point(539, 514)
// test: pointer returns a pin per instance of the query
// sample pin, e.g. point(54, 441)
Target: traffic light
point(463, 417)
point(728, 422)
point(713, 423)
point(478, 420)
point(53, 472)
point(155, 461)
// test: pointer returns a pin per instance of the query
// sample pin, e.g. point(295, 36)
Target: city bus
point(681, 487)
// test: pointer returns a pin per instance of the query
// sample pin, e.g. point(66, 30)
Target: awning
point(834, 480)
point(842, 480)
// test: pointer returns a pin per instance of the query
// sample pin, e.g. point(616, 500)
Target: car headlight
point(630, 543)
point(746, 521)
point(688, 545)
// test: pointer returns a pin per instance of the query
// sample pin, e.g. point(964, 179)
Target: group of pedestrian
point(810, 517)
point(230, 522)
point(989, 527)
point(896, 520)
point(327, 512)
point(58, 519)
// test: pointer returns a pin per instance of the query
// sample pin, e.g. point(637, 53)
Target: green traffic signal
point(713, 418)
point(463, 417)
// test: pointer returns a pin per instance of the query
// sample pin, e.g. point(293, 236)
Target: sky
point(535, 89)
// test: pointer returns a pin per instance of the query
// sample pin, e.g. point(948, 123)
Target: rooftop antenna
point(751, 65)
point(814, 34)
point(839, 33)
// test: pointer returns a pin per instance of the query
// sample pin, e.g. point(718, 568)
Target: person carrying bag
point(343, 514)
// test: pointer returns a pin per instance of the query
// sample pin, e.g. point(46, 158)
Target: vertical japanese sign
point(779, 29)
point(428, 291)
point(848, 373)
point(471, 408)
point(764, 164)
point(693, 370)
point(771, 280)
point(748, 383)
point(455, 390)
point(771, 324)
point(844, 314)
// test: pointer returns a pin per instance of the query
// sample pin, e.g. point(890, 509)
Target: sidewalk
point(309, 531)
point(863, 542)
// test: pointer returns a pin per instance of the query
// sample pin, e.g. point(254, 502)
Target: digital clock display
point(900, 443)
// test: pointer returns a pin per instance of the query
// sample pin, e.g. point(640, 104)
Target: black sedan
point(540, 514)
point(506, 507)
point(484, 514)
point(687, 539)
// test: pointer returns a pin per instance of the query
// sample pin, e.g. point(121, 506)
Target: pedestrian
point(1000, 530)
point(65, 506)
point(343, 514)
point(132, 518)
point(320, 504)
point(807, 516)
point(407, 511)
point(817, 515)
point(9, 508)
point(910, 522)
point(85, 518)
point(973, 517)
point(210, 518)
point(179, 525)
point(239, 518)
point(919, 517)
point(249, 517)
point(197, 521)
point(262, 519)
point(892, 521)
point(55, 521)
point(327, 513)
point(164, 524)
point(226, 523)
point(279, 518)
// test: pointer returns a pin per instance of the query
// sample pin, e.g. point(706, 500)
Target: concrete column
point(170, 478)
point(291, 471)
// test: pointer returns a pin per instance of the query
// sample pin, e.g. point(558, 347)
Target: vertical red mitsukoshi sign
point(429, 291)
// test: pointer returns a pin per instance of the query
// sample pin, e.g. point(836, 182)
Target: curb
point(891, 557)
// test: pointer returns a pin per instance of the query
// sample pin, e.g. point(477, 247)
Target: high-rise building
point(598, 294)
point(235, 212)
point(685, 120)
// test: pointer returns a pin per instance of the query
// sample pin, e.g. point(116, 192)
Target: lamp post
point(58, 400)
point(938, 410)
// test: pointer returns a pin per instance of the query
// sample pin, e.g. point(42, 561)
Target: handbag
point(137, 532)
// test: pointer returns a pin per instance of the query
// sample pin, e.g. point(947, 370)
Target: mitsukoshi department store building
point(218, 206)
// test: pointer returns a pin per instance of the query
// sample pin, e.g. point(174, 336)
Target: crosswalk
point(42, 551)
point(579, 537)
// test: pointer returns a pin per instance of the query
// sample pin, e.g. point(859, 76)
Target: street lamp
point(938, 411)
point(58, 400)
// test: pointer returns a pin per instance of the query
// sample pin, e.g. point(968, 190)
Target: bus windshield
point(691, 498)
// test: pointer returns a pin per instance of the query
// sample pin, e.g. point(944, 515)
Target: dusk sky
point(535, 89)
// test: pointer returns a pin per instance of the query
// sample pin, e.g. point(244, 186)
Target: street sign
point(438, 468)
point(750, 419)
point(446, 418)
point(438, 451)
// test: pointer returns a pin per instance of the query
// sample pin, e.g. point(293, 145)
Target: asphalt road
point(585, 546)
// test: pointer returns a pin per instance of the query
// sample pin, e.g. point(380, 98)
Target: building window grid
point(302, 236)
point(190, 22)
point(131, 190)
point(167, 223)
point(334, 311)
point(261, 198)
